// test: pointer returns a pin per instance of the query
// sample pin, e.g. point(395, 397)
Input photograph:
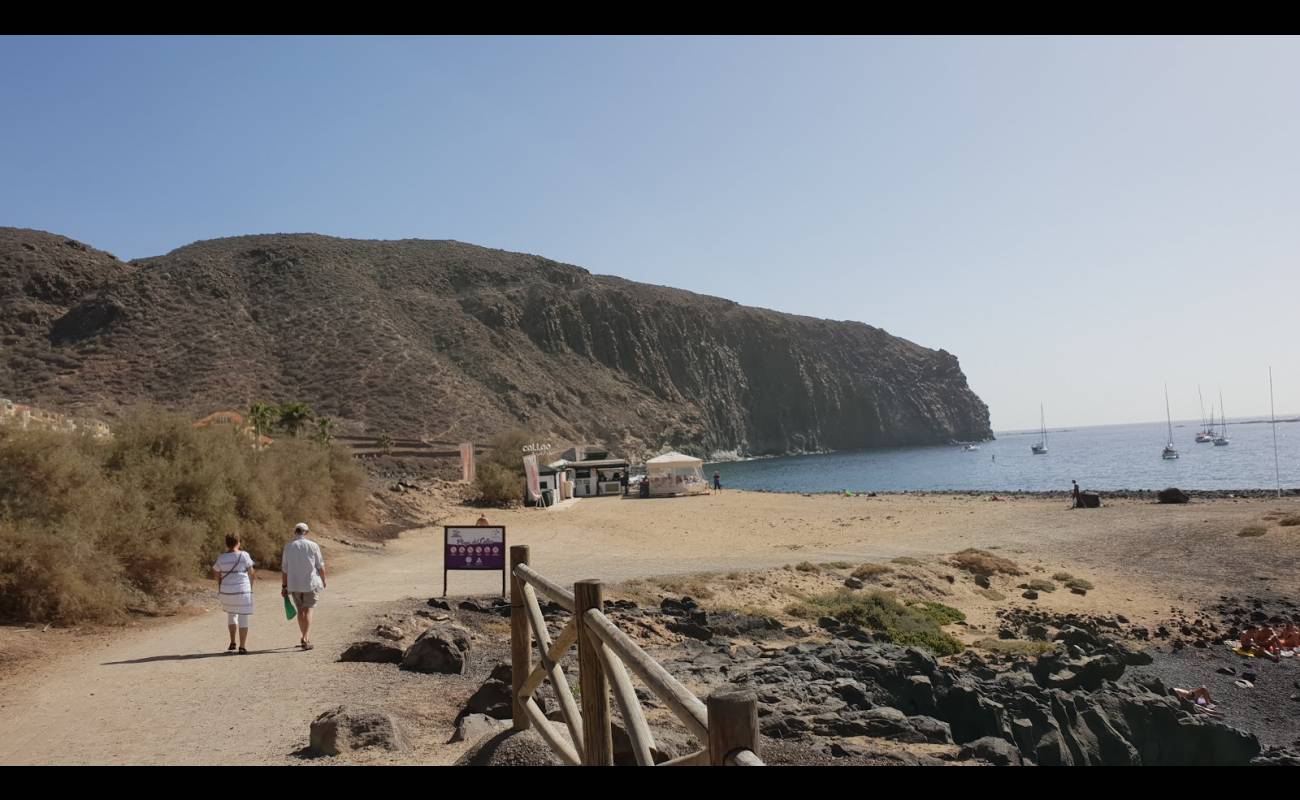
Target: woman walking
point(235, 575)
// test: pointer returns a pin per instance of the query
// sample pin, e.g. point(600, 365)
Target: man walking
point(302, 576)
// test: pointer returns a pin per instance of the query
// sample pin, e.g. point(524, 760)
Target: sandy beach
point(153, 695)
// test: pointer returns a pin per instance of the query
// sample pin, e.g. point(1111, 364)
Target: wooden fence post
point(521, 649)
point(733, 724)
point(597, 736)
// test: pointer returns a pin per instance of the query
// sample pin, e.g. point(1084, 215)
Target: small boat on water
point(1207, 424)
point(1222, 439)
point(1040, 449)
point(969, 447)
point(1169, 453)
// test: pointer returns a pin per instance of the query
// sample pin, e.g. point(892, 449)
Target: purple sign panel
point(475, 547)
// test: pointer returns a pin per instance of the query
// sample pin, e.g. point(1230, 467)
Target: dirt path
point(170, 695)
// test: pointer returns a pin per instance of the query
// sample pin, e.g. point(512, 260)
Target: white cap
point(301, 527)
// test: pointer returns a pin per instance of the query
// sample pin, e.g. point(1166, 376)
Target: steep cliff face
point(447, 340)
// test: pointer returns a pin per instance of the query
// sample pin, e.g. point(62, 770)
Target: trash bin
point(548, 497)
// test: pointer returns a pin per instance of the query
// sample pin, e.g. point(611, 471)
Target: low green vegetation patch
point(868, 572)
point(1062, 577)
point(944, 615)
point(982, 562)
point(1253, 530)
point(1039, 585)
point(918, 624)
point(836, 564)
point(907, 561)
point(1017, 647)
point(92, 527)
point(992, 594)
point(1078, 583)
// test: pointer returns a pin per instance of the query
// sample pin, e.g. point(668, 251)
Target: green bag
point(289, 611)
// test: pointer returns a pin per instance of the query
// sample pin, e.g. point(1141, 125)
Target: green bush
point(1039, 585)
point(918, 624)
point(1062, 577)
point(90, 528)
point(1078, 583)
point(499, 476)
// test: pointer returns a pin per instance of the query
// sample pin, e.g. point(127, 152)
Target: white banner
point(534, 480)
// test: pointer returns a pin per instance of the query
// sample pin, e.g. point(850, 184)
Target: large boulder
point(996, 751)
point(1172, 495)
point(373, 652)
point(472, 727)
point(345, 729)
point(442, 649)
point(493, 698)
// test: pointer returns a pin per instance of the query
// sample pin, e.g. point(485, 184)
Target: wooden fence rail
point(726, 726)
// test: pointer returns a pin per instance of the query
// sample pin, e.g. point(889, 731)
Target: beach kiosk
point(590, 472)
point(675, 474)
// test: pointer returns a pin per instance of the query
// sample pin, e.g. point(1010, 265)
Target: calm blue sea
point(1103, 457)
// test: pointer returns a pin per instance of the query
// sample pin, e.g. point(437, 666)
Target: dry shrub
point(868, 572)
point(1253, 530)
point(808, 566)
point(90, 528)
point(982, 562)
point(1289, 521)
point(906, 561)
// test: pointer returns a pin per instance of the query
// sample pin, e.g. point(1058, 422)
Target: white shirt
point(237, 565)
point(302, 563)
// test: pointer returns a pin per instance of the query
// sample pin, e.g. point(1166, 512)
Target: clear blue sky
point(1079, 220)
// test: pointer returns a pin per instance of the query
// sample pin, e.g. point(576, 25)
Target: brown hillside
point(446, 340)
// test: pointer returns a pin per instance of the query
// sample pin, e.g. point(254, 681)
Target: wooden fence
point(726, 726)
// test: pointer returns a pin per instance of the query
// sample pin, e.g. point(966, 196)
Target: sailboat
point(1207, 426)
point(1040, 449)
point(1169, 452)
point(1222, 439)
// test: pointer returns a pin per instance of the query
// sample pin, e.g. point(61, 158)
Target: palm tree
point(295, 416)
point(385, 442)
point(263, 416)
point(324, 430)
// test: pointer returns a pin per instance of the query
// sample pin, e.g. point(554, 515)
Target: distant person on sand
point(717, 482)
point(235, 574)
point(482, 520)
point(302, 578)
point(1075, 493)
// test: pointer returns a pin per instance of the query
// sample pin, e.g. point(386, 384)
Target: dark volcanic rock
point(1172, 495)
point(372, 652)
point(442, 648)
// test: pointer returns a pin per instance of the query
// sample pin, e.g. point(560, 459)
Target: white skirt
point(241, 603)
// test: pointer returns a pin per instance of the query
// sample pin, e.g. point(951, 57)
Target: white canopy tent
point(674, 473)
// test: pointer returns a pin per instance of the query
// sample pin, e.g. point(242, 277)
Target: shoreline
point(1126, 494)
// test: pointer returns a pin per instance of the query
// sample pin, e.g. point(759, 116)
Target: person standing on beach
point(717, 482)
point(302, 578)
point(235, 574)
point(1075, 493)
